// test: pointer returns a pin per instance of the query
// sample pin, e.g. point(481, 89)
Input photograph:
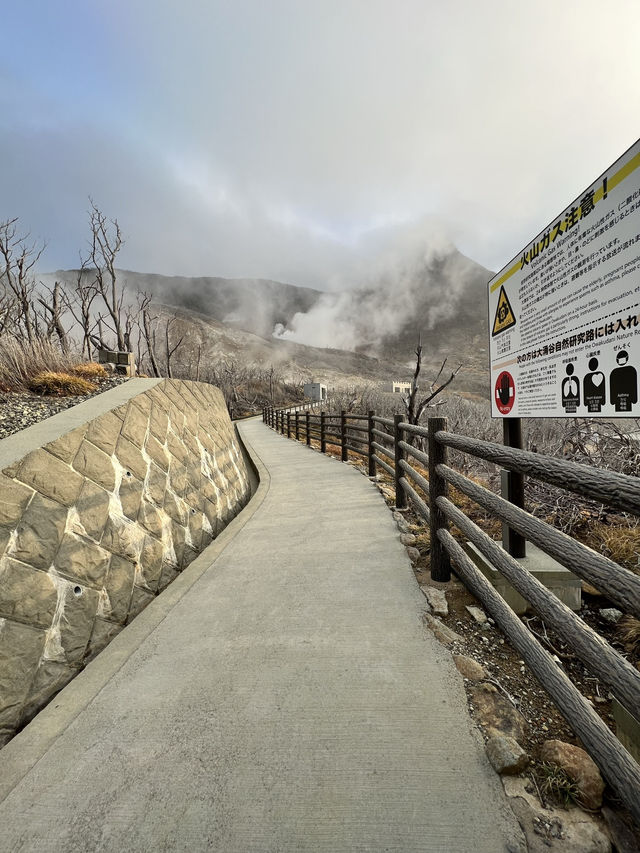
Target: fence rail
point(423, 478)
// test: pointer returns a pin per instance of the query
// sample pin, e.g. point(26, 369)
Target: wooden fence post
point(288, 424)
point(401, 498)
point(370, 450)
point(297, 425)
point(323, 437)
point(307, 418)
point(344, 453)
point(439, 557)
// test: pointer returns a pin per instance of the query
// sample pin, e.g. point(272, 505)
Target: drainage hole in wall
point(193, 512)
point(128, 473)
point(77, 590)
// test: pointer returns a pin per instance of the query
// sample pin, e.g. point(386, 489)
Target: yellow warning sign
point(505, 318)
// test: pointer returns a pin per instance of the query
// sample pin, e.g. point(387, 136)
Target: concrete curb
point(14, 447)
point(25, 750)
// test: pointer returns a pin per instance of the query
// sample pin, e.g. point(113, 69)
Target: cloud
point(252, 139)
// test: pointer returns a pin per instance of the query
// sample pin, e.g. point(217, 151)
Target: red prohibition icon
point(505, 392)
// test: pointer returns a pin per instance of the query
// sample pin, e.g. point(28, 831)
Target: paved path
point(281, 695)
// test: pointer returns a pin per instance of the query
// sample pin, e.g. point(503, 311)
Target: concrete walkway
point(281, 695)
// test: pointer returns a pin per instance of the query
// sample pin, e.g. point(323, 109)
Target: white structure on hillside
point(315, 391)
point(397, 386)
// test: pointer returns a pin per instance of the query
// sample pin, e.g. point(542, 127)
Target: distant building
point(397, 386)
point(315, 391)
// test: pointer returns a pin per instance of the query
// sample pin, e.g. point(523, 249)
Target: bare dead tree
point(52, 313)
point(171, 349)
point(104, 244)
point(414, 406)
point(79, 302)
point(18, 258)
point(149, 330)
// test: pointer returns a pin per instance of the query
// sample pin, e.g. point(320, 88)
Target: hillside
point(368, 332)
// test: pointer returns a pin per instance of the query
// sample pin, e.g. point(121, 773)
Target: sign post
point(564, 317)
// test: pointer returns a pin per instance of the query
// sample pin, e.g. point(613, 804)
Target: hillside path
point(281, 695)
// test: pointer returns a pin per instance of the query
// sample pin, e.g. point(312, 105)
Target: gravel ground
point(19, 410)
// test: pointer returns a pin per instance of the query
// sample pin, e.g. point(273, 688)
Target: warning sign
point(504, 318)
point(565, 313)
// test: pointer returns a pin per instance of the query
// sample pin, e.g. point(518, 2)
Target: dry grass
point(619, 542)
point(90, 370)
point(60, 384)
point(20, 362)
point(628, 630)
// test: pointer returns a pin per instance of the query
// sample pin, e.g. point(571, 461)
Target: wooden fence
point(389, 444)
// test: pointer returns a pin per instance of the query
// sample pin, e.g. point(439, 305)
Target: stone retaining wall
point(97, 522)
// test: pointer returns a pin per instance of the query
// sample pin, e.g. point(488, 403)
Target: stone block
point(21, 648)
point(139, 600)
point(208, 489)
point(192, 496)
point(14, 498)
point(158, 452)
point(50, 476)
point(175, 507)
point(188, 556)
point(39, 532)
point(177, 449)
point(168, 575)
point(178, 540)
point(93, 508)
point(80, 559)
point(66, 447)
point(102, 634)
point(131, 458)
point(76, 623)
point(558, 580)
point(119, 587)
point(189, 437)
point(156, 484)
point(104, 432)
point(176, 419)
point(123, 537)
point(51, 676)
point(130, 494)
point(135, 425)
point(26, 594)
point(159, 420)
point(195, 529)
point(150, 518)
point(178, 477)
point(95, 464)
point(152, 561)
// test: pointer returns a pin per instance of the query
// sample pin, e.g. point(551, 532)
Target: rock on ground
point(477, 614)
point(579, 767)
point(496, 713)
point(442, 633)
point(437, 600)
point(469, 668)
point(566, 831)
point(506, 755)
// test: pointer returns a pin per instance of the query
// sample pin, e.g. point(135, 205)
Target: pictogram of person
point(594, 387)
point(570, 390)
point(623, 383)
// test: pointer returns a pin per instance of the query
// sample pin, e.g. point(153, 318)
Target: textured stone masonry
point(96, 523)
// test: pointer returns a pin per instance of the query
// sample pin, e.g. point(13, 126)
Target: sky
point(298, 139)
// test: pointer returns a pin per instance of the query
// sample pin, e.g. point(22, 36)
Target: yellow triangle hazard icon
point(505, 318)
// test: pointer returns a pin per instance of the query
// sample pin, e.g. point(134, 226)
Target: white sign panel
point(564, 316)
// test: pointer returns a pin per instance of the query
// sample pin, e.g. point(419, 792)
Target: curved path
point(281, 695)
